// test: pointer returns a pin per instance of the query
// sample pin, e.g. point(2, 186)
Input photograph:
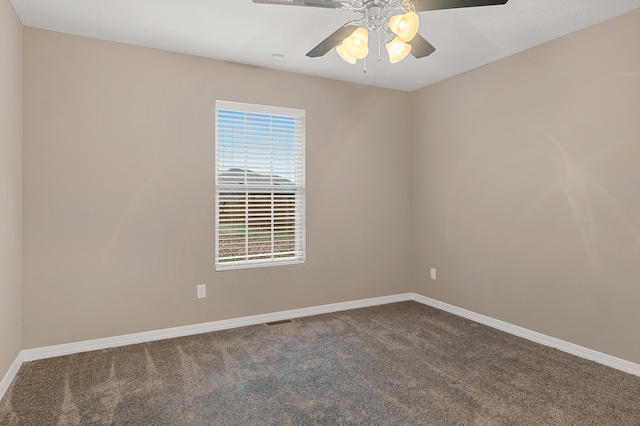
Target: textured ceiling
point(248, 33)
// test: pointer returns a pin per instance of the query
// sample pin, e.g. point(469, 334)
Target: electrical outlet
point(433, 273)
point(202, 291)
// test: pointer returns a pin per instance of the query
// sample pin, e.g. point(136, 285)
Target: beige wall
point(10, 185)
point(526, 180)
point(522, 190)
point(118, 190)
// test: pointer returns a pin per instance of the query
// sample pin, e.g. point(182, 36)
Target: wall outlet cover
point(202, 291)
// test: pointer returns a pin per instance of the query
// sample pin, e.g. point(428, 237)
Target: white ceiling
point(248, 33)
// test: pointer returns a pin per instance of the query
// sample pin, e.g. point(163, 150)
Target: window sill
point(250, 264)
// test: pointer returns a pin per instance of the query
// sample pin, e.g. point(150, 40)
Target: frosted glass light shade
point(344, 55)
point(356, 44)
point(405, 26)
point(397, 49)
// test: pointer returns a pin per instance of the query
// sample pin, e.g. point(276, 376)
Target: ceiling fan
point(395, 21)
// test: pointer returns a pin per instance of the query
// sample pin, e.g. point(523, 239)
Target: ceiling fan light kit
point(356, 45)
point(405, 26)
point(395, 21)
point(344, 55)
point(397, 50)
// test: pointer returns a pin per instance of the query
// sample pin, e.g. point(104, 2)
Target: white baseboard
point(11, 374)
point(168, 333)
point(580, 351)
point(130, 339)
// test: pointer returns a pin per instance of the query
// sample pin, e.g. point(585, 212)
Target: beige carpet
point(398, 364)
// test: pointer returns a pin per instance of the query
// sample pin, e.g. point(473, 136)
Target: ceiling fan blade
point(328, 4)
point(332, 41)
point(421, 47)
point(423, 5)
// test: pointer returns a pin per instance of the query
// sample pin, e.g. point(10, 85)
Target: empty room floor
point(401, 363)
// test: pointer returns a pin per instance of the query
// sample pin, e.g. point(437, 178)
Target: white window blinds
point(260, 185)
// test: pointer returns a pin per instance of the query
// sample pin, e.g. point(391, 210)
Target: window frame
point(298, 188)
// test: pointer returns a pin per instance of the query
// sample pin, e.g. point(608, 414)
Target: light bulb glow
point(356, 44)
point(397, 49)
point(405, 26)
point(344, 55)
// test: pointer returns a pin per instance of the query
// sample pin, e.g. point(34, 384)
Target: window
point(260, 185)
